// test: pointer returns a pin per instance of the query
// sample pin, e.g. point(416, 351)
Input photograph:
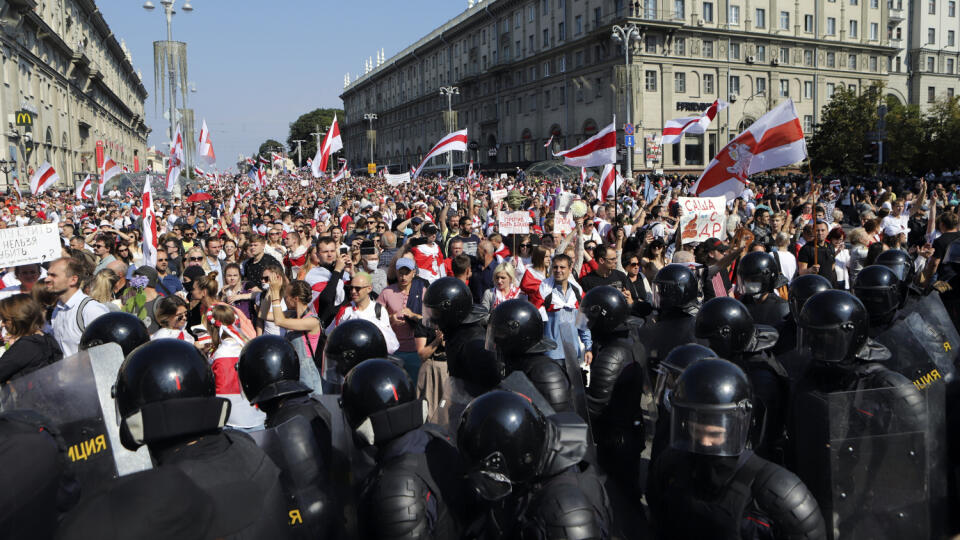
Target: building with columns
point(926, 65)
point(63, 64)
point(527, 70)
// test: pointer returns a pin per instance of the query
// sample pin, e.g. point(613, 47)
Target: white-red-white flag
point(205, 150)
point(456, 141)
point(45, 177)
point(176, 161)
point(197, 171)
point(413, 171)
point(108, 170)
point(149, 225)
point(340, 175)
point(252, 162)
point(674, 129)
point(549, 142)
point(599, 150)
point(775, 140)
point(610, 183)
point(331, 143)
point(85, 189)
point(276, 158)
point(233, 199)
point(471, 175)
point(583, 175)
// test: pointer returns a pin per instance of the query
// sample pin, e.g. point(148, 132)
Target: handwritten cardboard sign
point(514, 223)
point(397, 179)
point(31, 244)
point(702, 218)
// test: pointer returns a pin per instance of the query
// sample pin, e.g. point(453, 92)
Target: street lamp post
point(169, 12)
point(299, 157)
point(450, 91)
point(626, 35)
point(370, 117)
point(8, 166)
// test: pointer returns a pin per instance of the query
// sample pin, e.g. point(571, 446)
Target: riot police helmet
point(675, 287)
point(757, 273)
point(899, 261)
point(503, 439)
point(269, 368)
point(711, 407)
point(164, 390)
point(679, 359)
point(833, 325)
point(350, 343)
point(379, 401)
point(447, 303)
point(880, 291)
point(802, 288)
point(124, 329)
point(603, 309)
point(726, 323)
point(515, 327)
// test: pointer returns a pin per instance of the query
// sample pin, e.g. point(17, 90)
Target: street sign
point(24, 118)
point(628, 140)
point(371, 168)
point(628, 129)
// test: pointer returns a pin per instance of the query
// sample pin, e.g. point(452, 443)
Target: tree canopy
point(840, 140)
point(268, 146)
point(315, 121)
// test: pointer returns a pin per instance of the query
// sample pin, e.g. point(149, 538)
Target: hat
point(428, 229)
point(406, 262)
point(416, 220)
point(150, 273)
point(194, 273)
point(714, 243)
point(892, 230)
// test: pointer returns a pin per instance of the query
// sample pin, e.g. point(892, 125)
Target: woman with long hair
point(273, 276)
point(836, 238)
point(227, 340)
point(206, 293)
point(654, 257)
point(22, 319)
point(505, 287)
point(302, 324)
point(102, 286)
point(859, 247)
point(235, 293)
point(171, 315)
point(231, 251)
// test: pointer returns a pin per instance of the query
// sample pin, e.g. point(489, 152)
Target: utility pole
point(626, 35)
point(449, 91)
point(370, 117)
point(299, 157)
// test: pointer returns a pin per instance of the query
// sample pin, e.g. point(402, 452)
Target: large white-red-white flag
point(176, 161)
point(149, 225)
point(85, 189)
point(674, 129)
point(331, 143)
point(610, 183)
point(45, 177)
point(108, 170)
point(775, 140)
point(596, 151)
point(205, 150)
point(453, 142)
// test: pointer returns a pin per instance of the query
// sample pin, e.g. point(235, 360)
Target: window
point(930, 62)
point(578, 58)
point(807, 89)
point(546, 38)
point(830, 89)
point(546, 99)
point(853, 2)
point(784, 88)
point(898, 64)
point(831, 60)
point(874, 4)
point(561, 32)
point(951, 38)
point(761, 53)
point(531, 13)
point(762, 85)
point(761, 18)
point(680, 83)
point(546, 69)
point(650, 9)
point(533, 74)
point(808, 58)
point(708, 49)
point(784, 55)
point(950, 93)
point(596, 17)
point(852, 61)
point(708, 11)
point(483, 36)
point(650, 81)
point(516, 20)
point(853, 29)
point(931, 94)
point(530, 44)
point(650, 44)
point(679, 9)
point(808, 23)
point(807, 123)
point(734, 51)
point(544, 6)
point(577, 25)
point(931, 36)
point(734, 17)
point(784, 20)
point(952, 8)
point(680, 46)
point(708, 83)
point(950, 66)
point(831, 26)
point(533, 102)
point(874, 31)
point(734, 84)
point(873, 64)
point(932, 7)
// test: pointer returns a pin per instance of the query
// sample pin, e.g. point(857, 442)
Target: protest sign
point(397, 179)
point(514, 223)
point(498, 195)
point(32, 244)
point(563, 224)
point(702, 218)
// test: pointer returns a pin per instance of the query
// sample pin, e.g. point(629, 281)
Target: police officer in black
point(729, 328)
point(515, 332)
point(350, 343)
point(166, 400)
point(801, 289)
point(124, 329)
point(901, 263)
point(535, 482)
point(417, 488)
point(880, 290)
point(707, 483)
point(758, 275)
point(677, 298)
point(668, 372)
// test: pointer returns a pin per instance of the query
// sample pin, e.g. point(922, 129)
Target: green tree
point(315, 121)
point(906, 146)
point(268, 146)
point(943, 130)
point(839, 141)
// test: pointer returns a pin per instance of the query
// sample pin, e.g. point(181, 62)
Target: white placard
point(397, 179)
point(498, 195)
point(563, 224)
point(702, 218)
point(31, 244)
point(304, 183)
point(514, 223)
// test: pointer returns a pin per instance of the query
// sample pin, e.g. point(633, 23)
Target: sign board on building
point(24, 118)
point(514, 223)
point(371, 168)
point(30, 244)
point(702, 218)
point(498, 195)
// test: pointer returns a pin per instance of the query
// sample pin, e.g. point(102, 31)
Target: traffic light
point(872, 157)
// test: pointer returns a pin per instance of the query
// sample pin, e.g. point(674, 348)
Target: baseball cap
point(406, 262)
point(714, 243)
point(892, 230)
point(416, 220)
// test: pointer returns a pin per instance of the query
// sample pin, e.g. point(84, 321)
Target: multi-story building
point(63, 65)
point(925, 69)
point(527, 70)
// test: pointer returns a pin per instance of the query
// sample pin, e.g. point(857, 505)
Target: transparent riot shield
point(921, 351)
point(75, 394)
point(943, 337)
point(458, 394)
point(351, 465)
point(876, 472)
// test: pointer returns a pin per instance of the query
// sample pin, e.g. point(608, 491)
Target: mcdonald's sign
point(24, 118)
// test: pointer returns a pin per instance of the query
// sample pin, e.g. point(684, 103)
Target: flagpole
point(813, 218)
point(616, 207)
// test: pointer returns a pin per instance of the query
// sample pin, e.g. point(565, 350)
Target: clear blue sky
point(259, 65)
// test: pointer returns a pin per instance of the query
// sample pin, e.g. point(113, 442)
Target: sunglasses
point(633, 263)
point(526, 245)
point(98, 245)
point(357, 289)
point(195, 259)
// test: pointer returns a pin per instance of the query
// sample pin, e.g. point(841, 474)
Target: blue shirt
point(561, 325)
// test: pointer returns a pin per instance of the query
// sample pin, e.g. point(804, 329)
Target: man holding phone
point(253, 267)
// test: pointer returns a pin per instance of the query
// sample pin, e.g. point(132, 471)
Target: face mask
point(372, 264)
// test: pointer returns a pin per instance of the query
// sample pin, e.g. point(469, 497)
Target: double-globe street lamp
point(626, 35)
point(169, 12)
point(450, 91)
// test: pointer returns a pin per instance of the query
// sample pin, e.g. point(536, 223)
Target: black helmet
point(350, 343)
point(676, 362)
point(515, 327)
point(757, 274)
point(726, 323)
point(269, 368)
point(833, 324)
point(604, 308)
point(676, 287)
point(380, 402)
point(165, 389)
point(802, 288)
point(711, 406)
point(879, 289)
point(503, 439)
point(447, 303)
point(899, 261)
point(124, 329)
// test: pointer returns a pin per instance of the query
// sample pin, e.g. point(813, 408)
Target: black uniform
point(769, 310)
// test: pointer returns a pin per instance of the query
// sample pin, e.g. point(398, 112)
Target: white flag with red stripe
point(583, 174)
point(176, 161)
point(149, 225)
point(674, 129)
point(197, 171)
point(107, 171)
point(549, 142)
point(596, 151)
point(45, 177)
point(471, 175)
point(85, 189)
point(775, 140)
point(340, 175)
point(456, 141)
point(610, 183)
point(205, 150)
point(331, 143)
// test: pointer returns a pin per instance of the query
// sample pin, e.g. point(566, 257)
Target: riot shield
point(351, 465)
point(458, 394)
point(874, 474)
point(75, 394)
point(921, 352)
point(293, 446)
point(944, 337)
